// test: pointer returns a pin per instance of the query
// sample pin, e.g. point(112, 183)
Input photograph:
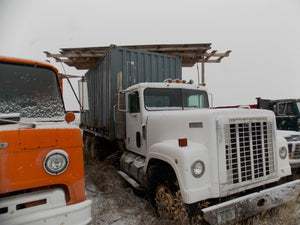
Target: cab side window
point(284, 109)
point(289, 109)
point(133, 102)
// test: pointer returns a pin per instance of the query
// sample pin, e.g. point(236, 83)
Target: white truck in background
point(293, 140)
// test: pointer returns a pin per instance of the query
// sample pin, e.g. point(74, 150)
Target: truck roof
point(166, 85)
point(285, 100)
point(86, 58)
point(27, 61)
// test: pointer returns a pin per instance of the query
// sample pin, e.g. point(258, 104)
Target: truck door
point(134, 140)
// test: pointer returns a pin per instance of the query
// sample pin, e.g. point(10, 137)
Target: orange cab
point(41, 160)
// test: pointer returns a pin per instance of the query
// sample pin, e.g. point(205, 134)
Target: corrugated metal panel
point(136, 67)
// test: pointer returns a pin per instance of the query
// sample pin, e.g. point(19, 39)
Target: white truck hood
point(193, 124)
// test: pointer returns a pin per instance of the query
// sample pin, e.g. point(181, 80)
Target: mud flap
point(252, 204)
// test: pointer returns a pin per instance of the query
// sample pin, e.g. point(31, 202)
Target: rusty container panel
point(134, 67)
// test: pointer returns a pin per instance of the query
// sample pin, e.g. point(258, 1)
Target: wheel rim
point(164, 202)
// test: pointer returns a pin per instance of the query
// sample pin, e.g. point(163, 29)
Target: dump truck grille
point(249, 151)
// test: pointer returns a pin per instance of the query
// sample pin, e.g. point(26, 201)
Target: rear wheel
point(95, 148)
point(86, 141)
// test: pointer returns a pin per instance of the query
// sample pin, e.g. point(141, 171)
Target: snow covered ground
point(116, 203)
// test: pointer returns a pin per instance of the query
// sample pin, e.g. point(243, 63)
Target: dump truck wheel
point(164, 201)
point(86, 141)
point(164, 193)
point(95, 148)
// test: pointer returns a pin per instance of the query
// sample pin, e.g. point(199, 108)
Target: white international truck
point(227, 164)
point(175, 142)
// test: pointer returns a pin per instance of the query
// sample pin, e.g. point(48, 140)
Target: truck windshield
point(33, 92)
point(174, 99)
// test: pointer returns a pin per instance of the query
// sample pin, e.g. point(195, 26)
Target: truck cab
point(42, 174)
point(147, 99)
point(176, 142)
point(287, 112)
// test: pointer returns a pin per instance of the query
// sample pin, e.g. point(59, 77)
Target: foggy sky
point(264, 36)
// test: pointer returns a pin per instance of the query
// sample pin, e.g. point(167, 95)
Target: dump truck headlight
point(283, 152)
point(56, 162)
point(197, 168)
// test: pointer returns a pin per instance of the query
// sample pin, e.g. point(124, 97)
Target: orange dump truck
point(41, 161)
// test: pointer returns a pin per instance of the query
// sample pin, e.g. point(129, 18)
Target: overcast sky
point(264, 36)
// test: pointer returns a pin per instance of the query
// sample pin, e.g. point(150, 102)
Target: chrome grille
point(296, 153)
point(249, 151)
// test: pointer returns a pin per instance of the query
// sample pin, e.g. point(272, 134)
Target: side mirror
point(83, 94)
point(121, 102)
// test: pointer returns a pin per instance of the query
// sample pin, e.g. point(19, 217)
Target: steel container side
point(98, 95)
point(133, 67)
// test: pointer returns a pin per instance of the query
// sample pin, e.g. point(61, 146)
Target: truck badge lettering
point(196, 124)
point(3, 145)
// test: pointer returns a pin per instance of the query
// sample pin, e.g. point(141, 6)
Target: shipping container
point(118, 69)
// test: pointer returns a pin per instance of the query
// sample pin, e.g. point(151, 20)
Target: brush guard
point(244, 207)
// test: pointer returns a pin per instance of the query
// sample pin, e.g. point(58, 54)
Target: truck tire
point(169, 203)
point(94, 149)
point(164, 201)
point(90, 145)
point(165, 195)
point(86, 141)
point(100, 148)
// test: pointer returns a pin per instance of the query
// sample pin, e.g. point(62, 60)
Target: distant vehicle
point(287, 112)
point(41, 169)
point(293, 139)
point(171, 140)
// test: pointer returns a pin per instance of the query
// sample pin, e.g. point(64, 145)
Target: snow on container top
point(121, 67)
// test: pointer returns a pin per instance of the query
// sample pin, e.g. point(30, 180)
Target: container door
point(134, 124)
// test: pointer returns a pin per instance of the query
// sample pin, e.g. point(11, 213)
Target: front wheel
point(164, 202)
point(169, 203)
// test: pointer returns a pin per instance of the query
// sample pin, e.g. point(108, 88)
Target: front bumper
point(252, 204)
point(43, 207)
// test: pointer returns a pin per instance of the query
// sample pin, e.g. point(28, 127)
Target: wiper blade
point(32, 125)
point(14, 118)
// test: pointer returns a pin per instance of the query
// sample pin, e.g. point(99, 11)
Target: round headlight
point(56, 162)
point(283, 152)
point(198, 169)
